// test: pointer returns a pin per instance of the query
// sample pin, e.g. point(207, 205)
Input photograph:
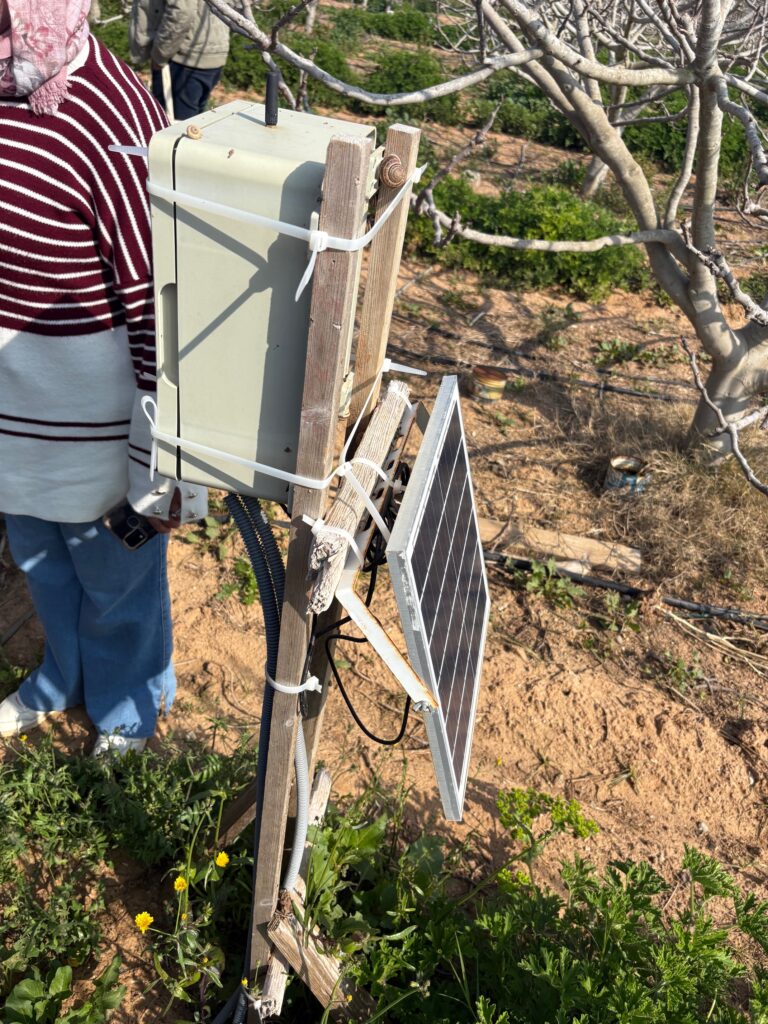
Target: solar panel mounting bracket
point(380, 640)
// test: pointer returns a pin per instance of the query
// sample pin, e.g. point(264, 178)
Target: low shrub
point(616, 947)
point(405, 23)
point(405, 72)
point(546, 211)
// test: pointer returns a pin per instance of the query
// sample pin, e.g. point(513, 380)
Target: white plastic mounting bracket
point(379, 639)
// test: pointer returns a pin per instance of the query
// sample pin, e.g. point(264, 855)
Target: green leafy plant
point(542, 211)
point(609, 951)
point(543, 580)
point(39, 1001)
point(244, 584)
point(554, 323)
point(617, 614)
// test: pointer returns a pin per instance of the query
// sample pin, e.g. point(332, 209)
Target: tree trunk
point(731, 384)
point(594, 178)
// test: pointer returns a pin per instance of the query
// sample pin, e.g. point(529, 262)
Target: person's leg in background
point(40, 551)
point(192, 89)
point(124, 629)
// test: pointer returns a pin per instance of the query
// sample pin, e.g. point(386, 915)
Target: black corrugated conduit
point(269, 570)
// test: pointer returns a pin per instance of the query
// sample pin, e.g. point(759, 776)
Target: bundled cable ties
point(318, 241)
point(312, 684)
point(319, 524)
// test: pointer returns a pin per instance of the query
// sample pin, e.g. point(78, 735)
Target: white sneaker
point(116, 745)
point(16, 717)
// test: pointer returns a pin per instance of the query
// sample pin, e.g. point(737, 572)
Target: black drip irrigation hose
point(709, 611)
point(554, 378)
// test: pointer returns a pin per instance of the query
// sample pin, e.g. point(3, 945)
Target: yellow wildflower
point(23, 737)
point(143, 921)
point(244, 981)
point(205, 959)
point(222, 859)
point(184, 917)
point(180, 884)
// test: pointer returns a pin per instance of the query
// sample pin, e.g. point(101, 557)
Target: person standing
point(187, 38)
point(77, 355)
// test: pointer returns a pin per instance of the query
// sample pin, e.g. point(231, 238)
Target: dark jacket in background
point(184, 31)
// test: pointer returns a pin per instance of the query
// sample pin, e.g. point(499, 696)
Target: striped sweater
point(77, 343)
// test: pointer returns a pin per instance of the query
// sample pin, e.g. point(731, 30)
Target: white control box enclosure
point(231, 339)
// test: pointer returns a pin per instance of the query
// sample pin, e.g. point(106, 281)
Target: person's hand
point(174, 515)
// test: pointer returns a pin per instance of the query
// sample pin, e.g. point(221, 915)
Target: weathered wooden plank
point(562, 546)
point(330, 547)
point(318, 969)
point(403, 145)
point(342, 213)
point(273, 992)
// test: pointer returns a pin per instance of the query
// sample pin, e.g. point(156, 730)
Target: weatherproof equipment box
point(231, 337)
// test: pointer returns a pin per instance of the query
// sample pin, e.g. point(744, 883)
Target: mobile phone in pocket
point(130, 527)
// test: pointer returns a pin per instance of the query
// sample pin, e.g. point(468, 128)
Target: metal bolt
point(192, 494)
point(157, 511)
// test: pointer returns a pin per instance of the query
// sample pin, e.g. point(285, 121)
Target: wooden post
point(341, 213)
point(402, 143)
point(273, 992)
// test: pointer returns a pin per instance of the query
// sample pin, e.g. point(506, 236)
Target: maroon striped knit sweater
point(77, 346)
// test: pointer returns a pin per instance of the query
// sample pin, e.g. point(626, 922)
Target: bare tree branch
point(354, 92)
point(659, 235)
point(751, 130)
point(571, 58)
point(718, 266)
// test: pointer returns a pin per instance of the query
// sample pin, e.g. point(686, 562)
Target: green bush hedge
point(544, 211)
point(406, 23)
point(406, 72)
point(245, 68)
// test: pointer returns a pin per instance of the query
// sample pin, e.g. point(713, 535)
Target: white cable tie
point(371, 465)
point(146, 401)
point(259, 467)
point(312, 684)
point(345, 471)
point(130, 150)
point(317, 240)
point(389, 367)
point(319, 524)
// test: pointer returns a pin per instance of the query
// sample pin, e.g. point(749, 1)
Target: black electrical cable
point(375, 556)
point(358, 721)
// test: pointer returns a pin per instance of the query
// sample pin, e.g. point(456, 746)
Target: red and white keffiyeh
point(44, 36)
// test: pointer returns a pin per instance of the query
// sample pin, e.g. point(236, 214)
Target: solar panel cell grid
point(438, 574)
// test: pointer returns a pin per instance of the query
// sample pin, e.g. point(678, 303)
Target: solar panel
point(438, 574)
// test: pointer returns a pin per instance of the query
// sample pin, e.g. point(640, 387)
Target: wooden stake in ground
point(342, 213)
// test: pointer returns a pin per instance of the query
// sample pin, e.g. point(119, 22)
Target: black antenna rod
point(270, 101)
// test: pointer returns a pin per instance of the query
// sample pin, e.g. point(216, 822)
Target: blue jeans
point(190, 87)
point(106, 613)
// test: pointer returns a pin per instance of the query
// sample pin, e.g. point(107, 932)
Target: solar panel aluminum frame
point(452, 784)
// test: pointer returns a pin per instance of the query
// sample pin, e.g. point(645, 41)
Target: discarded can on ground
point(626, 473)
point(488, 383)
